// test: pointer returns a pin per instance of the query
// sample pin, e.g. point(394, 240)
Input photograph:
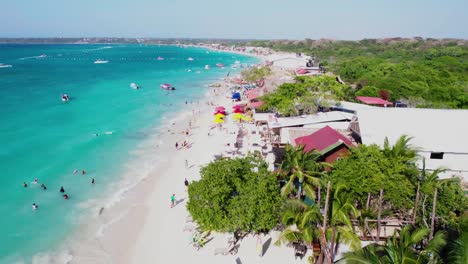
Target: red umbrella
point(238, 111)
point(237, 107)
point(220, 112)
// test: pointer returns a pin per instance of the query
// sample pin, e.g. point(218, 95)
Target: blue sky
point(277, 19)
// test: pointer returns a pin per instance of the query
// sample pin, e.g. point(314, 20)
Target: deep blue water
point(42, 137)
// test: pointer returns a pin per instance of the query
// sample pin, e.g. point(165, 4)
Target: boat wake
point(34, 57)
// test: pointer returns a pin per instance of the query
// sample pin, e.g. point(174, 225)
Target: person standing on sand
point(173, 200)
point(259, 246)
point(186, 182)
point(186, 163)
point(177, 145)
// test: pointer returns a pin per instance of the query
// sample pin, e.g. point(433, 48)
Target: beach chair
point(232, 249)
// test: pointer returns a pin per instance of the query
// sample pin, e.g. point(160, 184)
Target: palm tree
point(401, 150)
point(302, 168)
point(404, 247)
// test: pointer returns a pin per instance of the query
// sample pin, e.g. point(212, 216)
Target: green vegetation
point(326, 208)
point(238, 194)
point(255, 73)
point(305, 95)
point(401, 248)
point(425, 73)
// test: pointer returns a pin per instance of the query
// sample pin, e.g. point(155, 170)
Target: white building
point(440, 135)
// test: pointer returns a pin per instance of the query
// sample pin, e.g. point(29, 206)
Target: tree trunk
point(434, 204)
point(323, 239)
point(319, 197)
point(332, 244)
point(424, 211)
point(368, 201)
point(379, 214)
point(416, 204)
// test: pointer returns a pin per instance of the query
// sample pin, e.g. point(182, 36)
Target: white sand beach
point(143, 228)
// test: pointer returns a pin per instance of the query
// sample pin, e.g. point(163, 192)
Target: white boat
point(42, 56)
point(237, 62)
point(190, 59)
point(160, 58)
point(207, 67)
point(65, 98)
point(100, 61)
point(3, 65)
point(134, 86)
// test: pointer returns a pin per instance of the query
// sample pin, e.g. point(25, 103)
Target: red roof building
point(374, 101)
point(329, 142)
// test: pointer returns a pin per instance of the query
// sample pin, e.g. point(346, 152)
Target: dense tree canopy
point(305, 95)
point(237, 194)
point(426, 73)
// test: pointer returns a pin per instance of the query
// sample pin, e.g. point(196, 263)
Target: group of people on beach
point(65, 196)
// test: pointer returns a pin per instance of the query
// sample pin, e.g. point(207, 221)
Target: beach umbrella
point(237, 107)
point(237, 116)
point(218, 121)
point(238, 111)
point(219, 116)
point(220, 109)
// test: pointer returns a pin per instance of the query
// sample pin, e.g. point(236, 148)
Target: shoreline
point(140, 226)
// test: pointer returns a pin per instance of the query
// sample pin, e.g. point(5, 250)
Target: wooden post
point(325, 211)
point(323, 238)
point(434, 203)
point(368, 201)
point(379, 214)
point(416, 203)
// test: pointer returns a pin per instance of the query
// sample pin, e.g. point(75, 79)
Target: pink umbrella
point(237, 107)
point(220, 108)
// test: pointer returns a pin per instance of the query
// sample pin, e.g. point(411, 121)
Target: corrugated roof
point(322, 139)
point(333, 116)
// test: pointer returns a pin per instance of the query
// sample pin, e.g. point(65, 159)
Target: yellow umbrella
point(219, 115)
point(218, 120)
point(237, 116)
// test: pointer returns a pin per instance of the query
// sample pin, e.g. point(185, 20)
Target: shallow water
point(45, 138)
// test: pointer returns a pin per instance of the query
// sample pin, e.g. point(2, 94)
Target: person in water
point(25, 185)
point(35, 181)
point(34, 206)
point(65, 196)
point(83, 172)
point(75, 171)
point(43, 187)
point(92, 181)
point(62, 190)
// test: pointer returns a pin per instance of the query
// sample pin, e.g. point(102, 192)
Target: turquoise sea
point(42, 137)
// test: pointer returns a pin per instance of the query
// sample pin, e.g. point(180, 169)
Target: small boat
point(167, 86)
point(3, 65)
point(100, 61)
point(190, 59)
point(220, 65)
point(189, 70)
point(42, 56)
point(65, 98)
point(160, 58)
point(134, 86)
point(207, 67)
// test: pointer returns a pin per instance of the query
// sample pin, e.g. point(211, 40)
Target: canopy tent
point(256, 104)
point(373, 100)
point(236, 96)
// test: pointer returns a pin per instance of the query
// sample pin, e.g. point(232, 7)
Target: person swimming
point(34, 206)
point(62, 190)
point(43, 187)
point(83, 172)
point(92, 181)
point(65, 196)
point(35, 181)
point(25, 185)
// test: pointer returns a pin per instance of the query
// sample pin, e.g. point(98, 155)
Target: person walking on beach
point(173, 200)
point(177, 145)
point(186, 163)
point(186, 182)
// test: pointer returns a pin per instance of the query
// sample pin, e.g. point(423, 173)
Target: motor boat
point(134, 86)
point(167, 86)
point(65, 98)
point(207, 67)
point(160, 58)
point(190, 59)
point(220, 65)
point(42, 56)
point(3, 65)
point(100, 61)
